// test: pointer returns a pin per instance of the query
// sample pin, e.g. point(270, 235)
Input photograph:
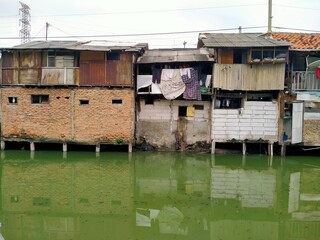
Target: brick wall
point(256, 120)
point(64, 118)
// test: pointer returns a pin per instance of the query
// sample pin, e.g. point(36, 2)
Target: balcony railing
point(305, 80)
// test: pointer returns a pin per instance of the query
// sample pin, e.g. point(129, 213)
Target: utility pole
point(270, 16)
point(25, 22)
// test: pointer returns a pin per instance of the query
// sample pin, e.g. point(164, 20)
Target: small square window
point(116, 101)
point(182, 111)
point(13, 100)
point(84, 102)
point(39, 99)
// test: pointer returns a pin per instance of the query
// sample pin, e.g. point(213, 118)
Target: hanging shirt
point(193, 91)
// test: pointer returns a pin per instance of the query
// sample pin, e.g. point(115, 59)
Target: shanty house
point(174, 98)
point(248, 84)
point(303, 87)
point(69, 92)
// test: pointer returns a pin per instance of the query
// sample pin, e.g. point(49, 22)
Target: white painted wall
point(256, 120)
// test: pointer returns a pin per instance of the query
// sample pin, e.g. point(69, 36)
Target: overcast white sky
point(98, 19)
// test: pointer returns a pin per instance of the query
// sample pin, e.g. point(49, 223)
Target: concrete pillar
point(270, 148)
point(213, 147)
point(244, 148)
point(130, 147)
point(3, 145)
point(97, 148)
point(64, 147)
point(32, 147)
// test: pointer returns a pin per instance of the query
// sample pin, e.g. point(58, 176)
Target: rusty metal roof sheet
point(175, 55)
point(88, 45)
point(300, 41)
point(232, 40)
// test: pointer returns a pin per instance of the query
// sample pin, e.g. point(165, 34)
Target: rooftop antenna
point(269, 16)
point(25, 23)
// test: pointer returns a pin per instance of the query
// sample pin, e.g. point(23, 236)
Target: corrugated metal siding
point(111, 72)
point(247, 77)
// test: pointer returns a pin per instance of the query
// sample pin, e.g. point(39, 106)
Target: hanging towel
point(318, 72)
point(171, 84)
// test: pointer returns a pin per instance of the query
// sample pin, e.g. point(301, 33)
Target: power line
point(146, 34)
point(298, 29)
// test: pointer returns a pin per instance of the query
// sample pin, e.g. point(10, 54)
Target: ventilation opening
point(84, 102)
point(116, 101)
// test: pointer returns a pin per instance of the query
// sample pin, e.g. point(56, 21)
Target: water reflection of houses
point(244, 200)
point(172, 196)
point(57, 199)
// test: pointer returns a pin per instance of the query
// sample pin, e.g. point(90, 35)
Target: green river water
point(50, 195)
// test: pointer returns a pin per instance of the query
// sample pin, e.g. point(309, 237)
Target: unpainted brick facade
point(79, 115)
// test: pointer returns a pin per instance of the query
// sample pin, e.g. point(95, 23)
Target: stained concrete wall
point(257, 120)
point(159, 122)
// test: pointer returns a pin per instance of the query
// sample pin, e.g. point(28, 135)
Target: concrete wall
point(64, 119)
point(159, 122)
point(256, 120)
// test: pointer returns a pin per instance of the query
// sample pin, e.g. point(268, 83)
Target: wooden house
point(303, 88)
point(69, 92)
point(248, 84)
point(174, 98)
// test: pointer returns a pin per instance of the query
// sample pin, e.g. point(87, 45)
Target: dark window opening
point(113, 56)
point(13, 100)
point(43, 99)
point(148, 101)
point(240, 56)
point(84, 102)
point(182, 111)
point(198, 107)
point(228, 103)
point(116, 101)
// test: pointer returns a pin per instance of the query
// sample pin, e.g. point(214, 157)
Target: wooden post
point(32, 147)
point(3, 145)
point(64, 147)
point(213, 147)
point(283, 150)
point(244, 148)
point(97, 148)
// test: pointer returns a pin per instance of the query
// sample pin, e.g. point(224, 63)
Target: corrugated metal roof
point(88, 45)
point(232, 40)
point(300, 41)
point(175, 55)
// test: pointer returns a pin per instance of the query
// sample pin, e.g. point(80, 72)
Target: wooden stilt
point(270, 149)
point(283, 150)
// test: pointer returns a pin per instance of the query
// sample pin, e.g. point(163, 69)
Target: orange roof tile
point(302, 41)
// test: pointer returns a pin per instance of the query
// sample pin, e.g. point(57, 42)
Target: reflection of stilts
point(270, 160)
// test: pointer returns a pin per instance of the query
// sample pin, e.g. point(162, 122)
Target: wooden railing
point(304, 80)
